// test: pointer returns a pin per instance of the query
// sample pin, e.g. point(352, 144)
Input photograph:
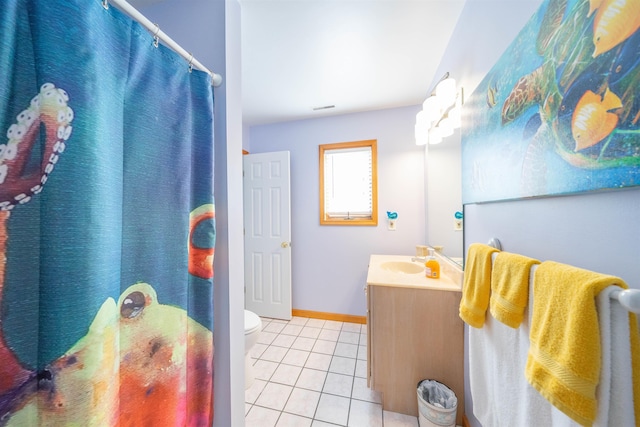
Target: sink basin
point(402, 267)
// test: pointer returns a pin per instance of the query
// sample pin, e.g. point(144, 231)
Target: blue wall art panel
point(559, 113)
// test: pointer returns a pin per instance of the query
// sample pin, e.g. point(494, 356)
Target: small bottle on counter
point(432, 266)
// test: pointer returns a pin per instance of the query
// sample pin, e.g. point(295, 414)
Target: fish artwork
point(593, 120)
point(492, 95)
point(615, 21)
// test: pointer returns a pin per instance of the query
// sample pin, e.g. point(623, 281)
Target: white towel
point(502, 397)
point(500, 393)
point(615, 390)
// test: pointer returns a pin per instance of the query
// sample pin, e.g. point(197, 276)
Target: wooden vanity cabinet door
point(414, 334)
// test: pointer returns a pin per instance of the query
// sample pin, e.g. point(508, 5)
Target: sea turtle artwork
point(568, 106)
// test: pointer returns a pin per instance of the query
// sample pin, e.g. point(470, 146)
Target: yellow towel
point(564, 357)
point(477, 284)
point(510, 287)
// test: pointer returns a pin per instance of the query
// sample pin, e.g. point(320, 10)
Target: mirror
point(443, 171)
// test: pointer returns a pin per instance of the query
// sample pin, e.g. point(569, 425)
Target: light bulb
point(431, 108)
point(435, 136)
point(446, 92)
point(446, 128)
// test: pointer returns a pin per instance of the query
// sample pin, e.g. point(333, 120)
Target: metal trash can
point(437, 404)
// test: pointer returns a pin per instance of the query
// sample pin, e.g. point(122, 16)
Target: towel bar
point(629, 299)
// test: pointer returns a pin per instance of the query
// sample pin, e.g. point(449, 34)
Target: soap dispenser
point(432, 266)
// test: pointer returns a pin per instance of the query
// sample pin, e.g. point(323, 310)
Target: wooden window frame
point(324, 218)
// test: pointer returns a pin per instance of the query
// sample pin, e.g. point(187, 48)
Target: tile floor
point(312, 373)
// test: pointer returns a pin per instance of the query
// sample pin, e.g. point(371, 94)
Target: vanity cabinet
point(414, 333)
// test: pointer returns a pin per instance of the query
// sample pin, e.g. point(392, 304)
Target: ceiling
point(354, 55)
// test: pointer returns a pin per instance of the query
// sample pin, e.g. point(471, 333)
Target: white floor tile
point(351, 327)
point(274, 327)
point(274, 353)
point(310, 332)
point(263, 369)
point(302, 402)
point(257, 350)
point(332, 324)
point(315, 323)
point(302, 343)
point(265, 321)
point(313, 373)
point(295, 320)
point(296, 357)
point(342, 365)
point(291, 330)
point(362, 352)
point(254, 391)
point(261, 417)
point(317, 423)
point(274, 396)
point(329, 335)
point(266, 337)
point(311, 379)
point(346, 350)
point(318, 361)
point(362, 392)
point(286, 374)
point(365, 414)
point(284, 340)
point(394, 419)
point(324, 347)
point(338, 384)
point(349, 337)
point(363, 339)
point(361, 368)
point(290, 420)
point(333, 409)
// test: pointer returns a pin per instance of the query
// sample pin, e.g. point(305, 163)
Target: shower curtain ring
point(191, 62)
point(156, 39)
point(105, 4)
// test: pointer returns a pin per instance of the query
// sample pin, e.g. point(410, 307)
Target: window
point(348, 183)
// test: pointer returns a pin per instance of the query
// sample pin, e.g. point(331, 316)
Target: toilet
point(252, 328)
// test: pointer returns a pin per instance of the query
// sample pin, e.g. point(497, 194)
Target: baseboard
point(329, 316)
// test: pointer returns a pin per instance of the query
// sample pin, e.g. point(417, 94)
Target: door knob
point(285, 244)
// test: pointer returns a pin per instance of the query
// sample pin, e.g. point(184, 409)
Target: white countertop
point(377, 276)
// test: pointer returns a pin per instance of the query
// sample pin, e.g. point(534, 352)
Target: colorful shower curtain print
point(106, 222)
point(559, 113)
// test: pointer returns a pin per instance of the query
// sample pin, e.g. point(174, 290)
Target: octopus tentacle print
point(48, 107)
point(18, 184)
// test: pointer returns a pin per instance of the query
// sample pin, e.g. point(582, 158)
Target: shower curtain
point(106, 222)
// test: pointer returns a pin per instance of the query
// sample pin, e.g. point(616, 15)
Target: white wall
point(211, 31)
point(330, 262)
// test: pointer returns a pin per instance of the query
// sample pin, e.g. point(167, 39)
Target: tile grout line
point(337, 341)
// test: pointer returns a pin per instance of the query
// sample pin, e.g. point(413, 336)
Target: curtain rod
point(216, 79)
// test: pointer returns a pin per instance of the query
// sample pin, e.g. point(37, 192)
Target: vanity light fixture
point(440, 113)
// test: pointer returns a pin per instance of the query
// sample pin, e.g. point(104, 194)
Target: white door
point(267, 234)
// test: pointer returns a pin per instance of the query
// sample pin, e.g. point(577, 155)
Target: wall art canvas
point(559, 113)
